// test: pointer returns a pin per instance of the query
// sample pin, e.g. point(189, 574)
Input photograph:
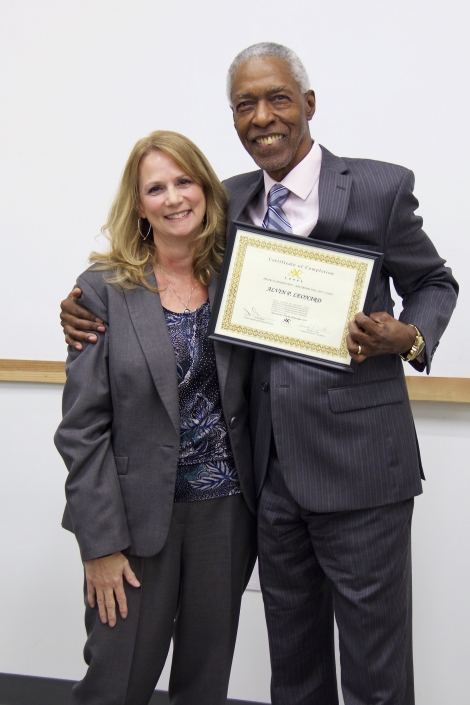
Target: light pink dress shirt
point(301, 205)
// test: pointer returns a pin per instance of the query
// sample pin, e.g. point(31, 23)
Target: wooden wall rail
point(423, 388)
point(454, 389)
point(44, 371)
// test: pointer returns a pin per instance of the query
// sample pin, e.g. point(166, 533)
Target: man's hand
point(105, 585)
point(78, 321)
point(378, 334)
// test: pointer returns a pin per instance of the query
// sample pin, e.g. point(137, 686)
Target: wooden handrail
point(423, 388)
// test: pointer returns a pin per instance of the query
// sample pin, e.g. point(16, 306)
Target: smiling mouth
point(270, 139)
point(177, 216)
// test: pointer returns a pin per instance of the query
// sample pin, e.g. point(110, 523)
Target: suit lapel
point(242, 196)
point(222, 350)
point(334, 190)
point(149, 323)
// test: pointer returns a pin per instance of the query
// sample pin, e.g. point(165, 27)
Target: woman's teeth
point(176, 216)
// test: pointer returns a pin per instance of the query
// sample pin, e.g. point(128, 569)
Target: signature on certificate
point(320, 331)
point(255, 316)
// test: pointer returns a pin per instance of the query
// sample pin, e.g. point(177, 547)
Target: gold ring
point(358, 349)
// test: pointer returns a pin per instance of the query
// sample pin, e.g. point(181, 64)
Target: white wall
point(80, 82)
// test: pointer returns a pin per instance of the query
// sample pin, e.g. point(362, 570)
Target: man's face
point(271, 114)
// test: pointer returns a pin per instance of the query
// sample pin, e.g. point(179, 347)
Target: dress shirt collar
point(303, 177)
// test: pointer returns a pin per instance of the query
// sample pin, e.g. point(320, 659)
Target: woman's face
point(173, 203)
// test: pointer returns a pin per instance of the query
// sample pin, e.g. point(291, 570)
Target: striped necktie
point(275, 218)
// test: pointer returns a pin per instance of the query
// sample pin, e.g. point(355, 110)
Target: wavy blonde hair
point(129, 256)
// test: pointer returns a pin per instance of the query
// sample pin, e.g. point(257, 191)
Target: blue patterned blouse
point(206, 468)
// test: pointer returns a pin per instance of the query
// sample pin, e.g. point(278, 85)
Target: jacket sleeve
point(427, 287)
point(95, 505)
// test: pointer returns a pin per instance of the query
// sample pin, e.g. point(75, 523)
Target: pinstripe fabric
point(335, 498)
point(360, 562)
point(348, 440)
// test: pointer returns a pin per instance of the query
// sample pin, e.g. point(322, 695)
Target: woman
point(154, 435)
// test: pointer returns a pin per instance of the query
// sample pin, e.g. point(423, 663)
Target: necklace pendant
point(186, 309)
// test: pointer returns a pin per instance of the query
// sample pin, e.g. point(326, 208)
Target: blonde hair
point(129, 255)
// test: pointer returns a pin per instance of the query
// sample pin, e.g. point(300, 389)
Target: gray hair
point(265, 50)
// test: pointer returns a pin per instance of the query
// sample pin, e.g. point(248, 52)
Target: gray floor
point(30, 690)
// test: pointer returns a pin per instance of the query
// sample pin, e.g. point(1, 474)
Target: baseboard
point(32, 690)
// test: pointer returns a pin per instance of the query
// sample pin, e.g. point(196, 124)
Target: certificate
point(291, 295)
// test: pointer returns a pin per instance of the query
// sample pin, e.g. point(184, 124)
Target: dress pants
point(192, 591)
point(355, 565)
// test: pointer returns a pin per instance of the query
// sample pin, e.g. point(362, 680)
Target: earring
point(204, 220)
point(144, 237)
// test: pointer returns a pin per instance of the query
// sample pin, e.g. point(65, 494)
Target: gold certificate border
point(310, 254)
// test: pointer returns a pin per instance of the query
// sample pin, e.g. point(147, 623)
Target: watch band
point(417, 347)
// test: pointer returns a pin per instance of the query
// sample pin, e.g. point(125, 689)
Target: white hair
point(265, 50)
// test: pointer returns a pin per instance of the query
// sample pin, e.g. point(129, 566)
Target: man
point(336, 458)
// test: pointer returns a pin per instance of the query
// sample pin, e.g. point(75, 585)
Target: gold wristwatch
point(416, 348)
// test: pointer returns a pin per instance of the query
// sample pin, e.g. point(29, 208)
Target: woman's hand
point(77, 321)
point(105, 585)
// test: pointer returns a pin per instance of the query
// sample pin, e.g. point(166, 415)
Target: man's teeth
point(176, 216)
point(270, 139)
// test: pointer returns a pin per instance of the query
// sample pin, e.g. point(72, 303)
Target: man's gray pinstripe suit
point(337, 461)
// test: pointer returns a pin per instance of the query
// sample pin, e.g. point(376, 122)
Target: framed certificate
point(290, 295)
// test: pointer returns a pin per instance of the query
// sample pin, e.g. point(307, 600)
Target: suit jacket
point(120, 432)
point(347, 441)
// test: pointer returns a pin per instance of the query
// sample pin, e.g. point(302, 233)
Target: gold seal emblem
point(295, 273)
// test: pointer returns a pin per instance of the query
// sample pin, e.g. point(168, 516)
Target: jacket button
point(233, 422)
point(265, 386)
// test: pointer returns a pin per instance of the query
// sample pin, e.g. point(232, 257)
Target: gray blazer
point(120, 432)
point(347, 441)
